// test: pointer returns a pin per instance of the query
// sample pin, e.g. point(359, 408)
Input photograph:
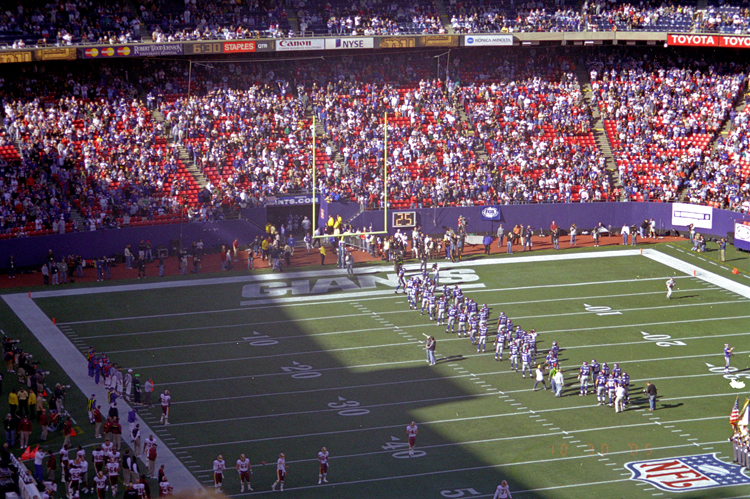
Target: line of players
point(452, 307)
point(462, 315)
point(108, 465)
point(245, 469)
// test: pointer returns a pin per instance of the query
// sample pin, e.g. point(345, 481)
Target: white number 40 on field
point(660, 340)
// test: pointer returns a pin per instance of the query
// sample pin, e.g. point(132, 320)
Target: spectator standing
point(148, 389)
point(487, 241)
point(559, 380)
point(24, 430)
point(151, 460)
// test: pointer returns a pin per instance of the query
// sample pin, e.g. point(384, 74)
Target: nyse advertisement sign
point(726, 41)
point(292, 44)
point(488, 40)
point(701, 217)
point(349, 43)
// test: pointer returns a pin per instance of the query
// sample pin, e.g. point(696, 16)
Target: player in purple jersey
point(500, 342)
point(727, 356)
point(601, 387)
point(452, 313)
point(583, 377)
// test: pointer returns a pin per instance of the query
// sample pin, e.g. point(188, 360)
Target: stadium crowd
point(111, 144)
point(160, 21)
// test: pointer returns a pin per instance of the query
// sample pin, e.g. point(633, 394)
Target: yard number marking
point(301, 371)
point(658, 337)
point(601, 310)
point(458, 492)
point(402, 454)
point(257, 340)
point(346, 406)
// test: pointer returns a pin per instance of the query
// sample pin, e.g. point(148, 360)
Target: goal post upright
point(315, 184)
point(314, 180)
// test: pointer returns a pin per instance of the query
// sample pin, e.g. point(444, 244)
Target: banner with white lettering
point(349, 43)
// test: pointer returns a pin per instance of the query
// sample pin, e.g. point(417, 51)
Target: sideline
point(74, 364)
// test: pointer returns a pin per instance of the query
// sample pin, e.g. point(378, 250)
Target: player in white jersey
point(113, 475)
point(502, 491)
point(670, 286)
point(140, 489)
point(166, 400)
point(101, 485)
point(411, 432)
point(219, 466)
point(280, 472)
point(244, 469)
point(323, 462)
point(165, 488)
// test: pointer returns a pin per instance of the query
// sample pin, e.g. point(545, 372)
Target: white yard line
point(500, 466)
point(698, 272)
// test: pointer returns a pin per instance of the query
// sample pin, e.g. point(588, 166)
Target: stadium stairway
point(597, 125)
point(479, 150)
point(291, 16)
point(444, 18)
point(184, 157)
point(323, 140)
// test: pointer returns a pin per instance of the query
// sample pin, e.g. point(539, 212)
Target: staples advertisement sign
point(487, 40)
point(291, 44)
point(693, 40)
point(237, 47)
point(349, 43)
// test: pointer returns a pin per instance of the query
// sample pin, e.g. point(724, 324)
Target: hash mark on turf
point(581, 446)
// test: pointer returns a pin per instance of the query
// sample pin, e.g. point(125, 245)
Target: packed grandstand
point(89, 145)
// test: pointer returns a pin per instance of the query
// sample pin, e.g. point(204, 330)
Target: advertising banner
point(490, 213)
point(349, 43)
point(685, 214)
point(239, 47)
point(693, 40)
point(292, 44)
point(742, 235)
point(107, 52)
point(158, 49)
point(488, 40)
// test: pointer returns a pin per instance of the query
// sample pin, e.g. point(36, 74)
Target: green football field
point(268, 363)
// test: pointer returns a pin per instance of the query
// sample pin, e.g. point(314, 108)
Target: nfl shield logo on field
point(679, 474)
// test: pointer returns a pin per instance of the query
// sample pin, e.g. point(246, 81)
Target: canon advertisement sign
point(300, 44)
point(740, 42)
